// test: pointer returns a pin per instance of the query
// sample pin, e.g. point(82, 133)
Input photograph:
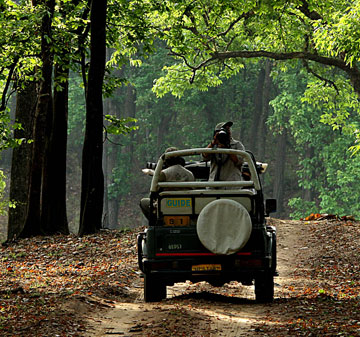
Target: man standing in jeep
point(224, 167)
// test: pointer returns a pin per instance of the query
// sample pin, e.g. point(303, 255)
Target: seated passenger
point(174, 171)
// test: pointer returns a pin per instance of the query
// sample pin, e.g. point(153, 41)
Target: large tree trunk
point(42, 121)
point(261, 145)
point(130, 111)
point(53, 216)
point(110, 161)
point(92, 180)
point(258, 105)
point(210, 112)
point(280, 160)
point(21, 160)
point(111, 156)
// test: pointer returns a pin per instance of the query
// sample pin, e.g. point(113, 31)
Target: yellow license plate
point(206, 267)
point(177, 220)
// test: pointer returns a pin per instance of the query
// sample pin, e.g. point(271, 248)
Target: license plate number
point(206, 267)
point(177, 220)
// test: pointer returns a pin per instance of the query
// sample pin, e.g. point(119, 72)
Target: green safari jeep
point(212, 231)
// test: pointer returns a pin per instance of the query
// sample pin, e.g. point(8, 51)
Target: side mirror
point(270, 206)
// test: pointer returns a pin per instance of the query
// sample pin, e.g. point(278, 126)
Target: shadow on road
point(211, 297)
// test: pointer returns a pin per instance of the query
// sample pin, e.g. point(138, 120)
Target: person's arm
point(236, 160)
point(207, 156)
point(148, 172)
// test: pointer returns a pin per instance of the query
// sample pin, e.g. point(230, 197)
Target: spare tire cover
point(224, 226)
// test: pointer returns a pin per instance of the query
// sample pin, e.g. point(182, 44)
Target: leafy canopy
point(213, 40)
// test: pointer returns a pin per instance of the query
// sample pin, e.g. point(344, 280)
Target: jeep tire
point(154, 288)
point(264, 287)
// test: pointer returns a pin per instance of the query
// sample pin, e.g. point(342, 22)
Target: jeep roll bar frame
point(255, 182)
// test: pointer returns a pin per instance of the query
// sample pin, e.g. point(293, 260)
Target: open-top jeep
point(212, 231)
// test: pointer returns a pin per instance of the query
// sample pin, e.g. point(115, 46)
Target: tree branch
point(232, 24)
point(306, 65)
point(7, 85)
point(304, 8)
point(172, 53)
point(353, 72)
point(190, 15)
point(282, 57)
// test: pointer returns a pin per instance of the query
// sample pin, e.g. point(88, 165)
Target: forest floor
point(91, 287)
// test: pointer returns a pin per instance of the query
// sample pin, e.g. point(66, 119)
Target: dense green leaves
point(321, 122)
point(211, 40)
point(118, 126)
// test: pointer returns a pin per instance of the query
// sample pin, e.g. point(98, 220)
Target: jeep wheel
point(264, 287)
point(273, 253)
point(140, 239)
point(154, 289)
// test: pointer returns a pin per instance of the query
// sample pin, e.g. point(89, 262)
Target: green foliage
point(112, 82)
point(76, 105)
point(210, 41)
point(6, 132)
point(321, 122)
point(180, 98)
point(4, 202)
point(301, 208)
point(118, 126)
point(340, 193)
point(339, 103)
point(342, 30)
point(178, 79)
point(336, 182)
point(122, 176)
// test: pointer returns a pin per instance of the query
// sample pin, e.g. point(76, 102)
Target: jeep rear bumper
point(243, 269)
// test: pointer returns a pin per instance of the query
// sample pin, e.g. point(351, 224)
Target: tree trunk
point(258, 105)
point(308, 194)
point(280, 172)
point(53, 215)
point(261, 145)
point(210, 112)
point(92, 180)
point(21, 159)
point(42, 118)
point(106, 223)
point(110, 162)
point(130, 111)
point(113, 201)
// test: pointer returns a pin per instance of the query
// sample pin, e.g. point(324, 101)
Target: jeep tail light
point(160, 265)
point(248, 263)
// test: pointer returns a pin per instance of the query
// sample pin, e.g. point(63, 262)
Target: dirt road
point(202, 310)
point(90, 286)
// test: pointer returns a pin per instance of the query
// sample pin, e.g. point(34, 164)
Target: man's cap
point(222, 125)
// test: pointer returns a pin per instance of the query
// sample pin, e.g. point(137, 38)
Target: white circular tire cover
point(224, 226)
